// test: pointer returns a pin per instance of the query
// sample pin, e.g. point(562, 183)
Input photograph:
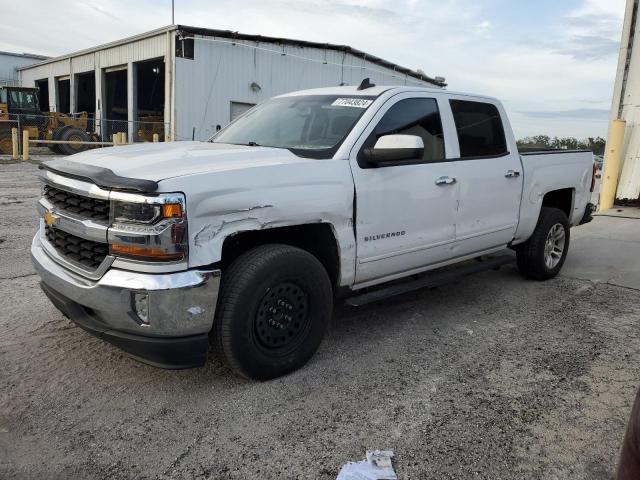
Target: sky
point(552, 62)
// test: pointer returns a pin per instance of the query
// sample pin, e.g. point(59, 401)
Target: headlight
point(145, 213)
point(150, 229)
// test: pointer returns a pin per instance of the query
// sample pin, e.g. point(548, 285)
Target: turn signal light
point(145, 253)
point(172, 210)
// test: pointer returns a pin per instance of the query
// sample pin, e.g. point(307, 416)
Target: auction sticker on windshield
point(352, 102)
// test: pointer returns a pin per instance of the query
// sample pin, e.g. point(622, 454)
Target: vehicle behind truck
point(19, 108)
point(243, 244)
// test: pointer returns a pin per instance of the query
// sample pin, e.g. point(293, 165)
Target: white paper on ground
point(377, 466)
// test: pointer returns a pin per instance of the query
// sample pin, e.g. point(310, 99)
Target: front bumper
point(181, 307)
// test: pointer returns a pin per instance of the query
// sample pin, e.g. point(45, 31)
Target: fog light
point(141, 307)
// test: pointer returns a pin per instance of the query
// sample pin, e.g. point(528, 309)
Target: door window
point(412, 116)
point(480, 129)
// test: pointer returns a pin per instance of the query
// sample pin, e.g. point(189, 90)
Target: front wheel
point(274, 306)
point(543, 255)
point(73, 135)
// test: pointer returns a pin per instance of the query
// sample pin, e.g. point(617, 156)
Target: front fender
point(222, 204)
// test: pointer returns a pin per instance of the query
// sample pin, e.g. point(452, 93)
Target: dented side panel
point(223, 203)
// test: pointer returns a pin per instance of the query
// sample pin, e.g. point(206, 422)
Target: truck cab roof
point(377, 90)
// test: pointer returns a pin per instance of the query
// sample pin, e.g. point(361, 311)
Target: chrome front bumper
point(180, 304)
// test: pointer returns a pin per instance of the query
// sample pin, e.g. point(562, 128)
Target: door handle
point(445, 181)
point(512, 174)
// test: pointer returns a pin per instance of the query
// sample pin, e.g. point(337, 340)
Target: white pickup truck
point(244, 242)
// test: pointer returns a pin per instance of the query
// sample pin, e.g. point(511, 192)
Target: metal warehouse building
point(196, 79)
point(10, 63)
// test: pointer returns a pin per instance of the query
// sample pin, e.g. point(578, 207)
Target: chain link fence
point(74, 133)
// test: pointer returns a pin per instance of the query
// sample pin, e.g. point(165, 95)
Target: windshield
point(22, 99)
point(311, 126)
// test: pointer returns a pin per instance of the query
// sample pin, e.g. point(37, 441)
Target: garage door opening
point(150, 100)
point(43, 94)
point(86, 93)
point(86, 97)
point(115, 103)
point(63, 105)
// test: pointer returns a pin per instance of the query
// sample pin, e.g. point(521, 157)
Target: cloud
point(483, 28)
point(590, 47)
point(97, 8)
point(579, 113)
point(536, 56)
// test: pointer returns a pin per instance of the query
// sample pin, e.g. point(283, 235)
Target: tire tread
point(241, 271)
point(530, 258)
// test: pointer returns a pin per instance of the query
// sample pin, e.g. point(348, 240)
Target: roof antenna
point(366, 83)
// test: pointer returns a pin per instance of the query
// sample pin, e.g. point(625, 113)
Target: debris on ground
point(377, 466)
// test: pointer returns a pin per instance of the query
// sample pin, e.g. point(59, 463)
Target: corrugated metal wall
point(223, 71)
point(626, 103)
point(199, 92)
point(8, 66)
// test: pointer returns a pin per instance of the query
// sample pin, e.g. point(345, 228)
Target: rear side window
point(480, 129)
point(415, 116)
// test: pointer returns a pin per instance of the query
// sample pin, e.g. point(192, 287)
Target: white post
point(131, 99)
point(14, 143)
point(25, 144)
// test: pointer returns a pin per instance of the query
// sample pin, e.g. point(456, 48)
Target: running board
point(429, 281)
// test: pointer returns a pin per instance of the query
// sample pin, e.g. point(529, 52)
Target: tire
point(274, 307)
point(6, 144)
point(535, 257)
point(55, 148)
point(71, 134)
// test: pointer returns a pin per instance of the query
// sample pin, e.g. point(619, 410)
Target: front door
point(405, 213)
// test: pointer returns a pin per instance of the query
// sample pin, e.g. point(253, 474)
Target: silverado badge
point(50, 218)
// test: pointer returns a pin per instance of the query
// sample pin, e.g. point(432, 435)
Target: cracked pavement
point(490, 377)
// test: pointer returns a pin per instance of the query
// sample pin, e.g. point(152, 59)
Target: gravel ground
point(489, 377)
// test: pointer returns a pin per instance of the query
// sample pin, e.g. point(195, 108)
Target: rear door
point(489, 176)
point(405, 217)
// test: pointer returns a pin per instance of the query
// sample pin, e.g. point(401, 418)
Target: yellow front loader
point(19, 109)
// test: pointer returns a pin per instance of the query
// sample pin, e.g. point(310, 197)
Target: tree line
point(596, 145)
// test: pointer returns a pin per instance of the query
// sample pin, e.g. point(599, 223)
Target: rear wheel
point(73, 135)
point(543, 255)
point(274, 306)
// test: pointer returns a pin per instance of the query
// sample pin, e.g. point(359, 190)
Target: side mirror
point(394, 148)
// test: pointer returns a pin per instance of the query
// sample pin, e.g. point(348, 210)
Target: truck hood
point(160, 161)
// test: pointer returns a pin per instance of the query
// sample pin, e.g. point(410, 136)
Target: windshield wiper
point(253, 144)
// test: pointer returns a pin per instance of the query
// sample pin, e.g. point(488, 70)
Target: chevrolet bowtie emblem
point(50, 218)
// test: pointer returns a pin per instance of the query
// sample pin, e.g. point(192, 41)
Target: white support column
point(132, 103)
point(167, 97)
point(169, 78)
point(53, 94)
point(626, 102)
point(72, 89)
point(97, 71)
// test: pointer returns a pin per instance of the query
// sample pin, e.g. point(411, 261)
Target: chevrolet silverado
point(243, 242)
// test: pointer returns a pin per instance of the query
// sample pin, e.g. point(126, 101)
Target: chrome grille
point(92, 208)
point(86, 252)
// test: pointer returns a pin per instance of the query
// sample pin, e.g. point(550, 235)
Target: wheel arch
point(532, 205)
point(319, 239)
point(562, 199)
